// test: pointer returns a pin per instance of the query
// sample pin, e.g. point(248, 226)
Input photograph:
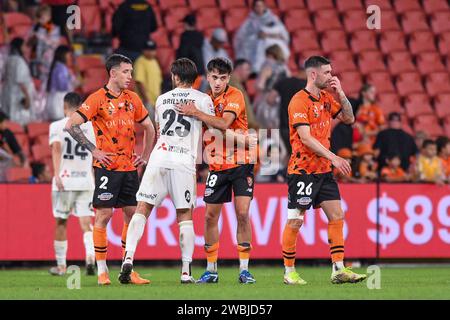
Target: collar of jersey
point(109, 95)
point(310, 96)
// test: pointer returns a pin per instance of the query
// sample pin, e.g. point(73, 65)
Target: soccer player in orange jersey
point(227, 174)
point(310, 177)
point(113, 110)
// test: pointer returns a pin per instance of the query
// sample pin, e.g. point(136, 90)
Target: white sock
point(187, 244)
point(101, 267)
point(134, 234)
point(338, 265)
point(243, 264)
point(289, 269)
point(211, 267)
point(88, 241)
point(60, 252)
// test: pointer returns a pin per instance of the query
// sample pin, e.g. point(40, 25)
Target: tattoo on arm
point(76, 133)
point(347, 110)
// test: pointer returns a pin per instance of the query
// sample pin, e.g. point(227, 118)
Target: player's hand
point(102, 157)
point(342, 165)
point(335, 83)
point(59, 183)
point(139, 161)
point(187, 109)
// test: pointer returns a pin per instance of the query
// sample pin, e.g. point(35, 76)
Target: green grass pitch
point(396, 283)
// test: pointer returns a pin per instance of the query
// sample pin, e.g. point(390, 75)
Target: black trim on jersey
point(109, 95)
point(231, 111)
point(143, 119)
point(300, 124)
point(310, 96)
point(337, 113)
point(82, 115)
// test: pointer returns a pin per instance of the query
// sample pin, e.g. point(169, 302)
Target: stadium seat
point(85, 62)
point(334, 40)
point(14, 127)
point(305, 54)
point(406, 5)
point(231, 4)
point(18, 174)
point(35, 129)
point(429, 124)
point(167, 4)
point(363, 41)
point(91, 21)
point(327, 20)
point(439, 22)
point(12, 19)
point(342, 61)
point(408, 83)
point(158, 15)
point(428, 62)
point(389, 21)
point(421, 41)
point(437, 83)
point(197, 4)
point(272, 4)
point(441, 105)
point(390, 102)
point(160, 36)
point(296, 19)
point(41, 151)
point(383, 4)
point(351, 82)
point(392, 41)
point(209, 18)
point(174, 16)
point(93, 82)
point(399, 62)
point(414, 21)
point(234, 18)
point(304, 40)
point(24, 142)
point(447, 129)
point(432, 6)
point(315, 6)
point(417, 104)
point(444, 44)
point(165, 57)
point(86, 2)
point(346, 5)
point(41, 139)
point(288, 5)
point(382, 81)
point(355, 20)
point(20, 30)
point(371, 61)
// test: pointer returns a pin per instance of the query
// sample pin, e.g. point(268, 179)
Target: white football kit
point(172, 165)
point(75, 173)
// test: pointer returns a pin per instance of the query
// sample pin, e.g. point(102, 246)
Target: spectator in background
point(367, 166)
point(18, 90)
point(9, 147)
point(132, 23)
point(44, 38)
point(429, 165)
point(393, 172)
point(443, 145)
point(148, 77)
point(395, 140)
point(259, 31)
point(191, 43)
point(40, 173)
point(239, 77)
point(370, 115)
point(60, 82)
point(59, 14)
point(215, 47)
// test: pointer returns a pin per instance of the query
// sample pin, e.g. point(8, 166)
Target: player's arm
point(313, 144)
point(73, 128)
point(346, 114)
point(149, 142)
point(221, 123)
point(56, 159)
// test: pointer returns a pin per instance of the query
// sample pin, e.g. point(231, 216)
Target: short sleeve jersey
point(113, 119)
point(317, 113)
point(231, 100)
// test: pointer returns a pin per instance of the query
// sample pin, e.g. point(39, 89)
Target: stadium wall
point(414, 223)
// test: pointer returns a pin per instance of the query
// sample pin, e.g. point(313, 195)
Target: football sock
point(101, 249)
point(135, 232)
point(124, 238)
point(244, 255)
point(187, 244)
point(212, 252)
point(289, 243)
point(60, 252)
point(336, 241)
point(88, 240)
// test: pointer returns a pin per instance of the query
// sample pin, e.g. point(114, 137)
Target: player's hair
point(240, 62)
point(73, 100)
point(316, 62)
point(185, 69)
point(115, 60)
point(221, 65)
point(428, 142)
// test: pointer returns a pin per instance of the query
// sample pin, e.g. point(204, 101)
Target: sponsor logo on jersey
point(148, 196)
point(79, 174)
point(220, 107)
point(111, 108)
point(175, 149)
point(180, 94)
point(233, 105)
point(316, 111)
point(65, 174)
point(85, 106)
point(187, 196)
point(300, 115)
point(304, 201)
point(208, 192)
point(105, 196)
point(250, 181)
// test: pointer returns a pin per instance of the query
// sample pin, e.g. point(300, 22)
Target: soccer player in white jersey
point(72, 187)
point(172, 166)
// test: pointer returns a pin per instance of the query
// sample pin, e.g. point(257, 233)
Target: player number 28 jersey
point(76, 161)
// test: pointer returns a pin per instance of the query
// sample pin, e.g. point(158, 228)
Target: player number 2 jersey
point(76, 161)
point(179, 135)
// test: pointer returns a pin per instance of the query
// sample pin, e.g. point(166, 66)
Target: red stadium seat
point(422, 41)
point(392, 41)
point(390, 102)
point(345, 5)
point(85, 62)
point(174, 16)
point(288, 5)
point(414, 21)
point(21, 31)
point(432, 6)
point(342, 61)
point(91, 20)
point(429, 62)
point(24, 142)
point(12, 19)
point(35, 129)
point(382, 81)
point(389, 21)
point(165, 57)
point(231, 4)
point(93, 82)
point(355, 20)
point(371, 61)
point(197, 4)
point(234, 18)
point(209, 18)
point(272, 4)
point(18, 175)
point(406, 5)
point(14, 127)
point(167, 4)
point(444, 44)
point(41, 151)
point(363, 41)
point(41, 139)
point(408, 83)
point(305, 54)
point(304, 40)
point(399, 62)
point(417, 104)
point(383, 4)
point(437, 83)
point(441, 105)
point(428, 124)
point(351, 83)
point(334, 40)
point(327, 20)
point(297, 19)
point(439, 22)
point(161, 38)
point(447, 129)
point(315, 6)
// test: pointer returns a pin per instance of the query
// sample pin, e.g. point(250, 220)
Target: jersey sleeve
point(54, 135)
point(298, 112)
point(336, 107)
point(207, 106)
point(89, 108)
point(141, 113)
point(235, 104)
